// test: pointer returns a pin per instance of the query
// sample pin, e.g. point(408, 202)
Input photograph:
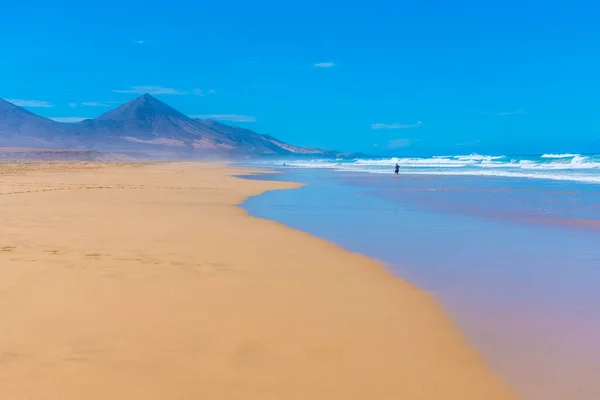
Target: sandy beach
point(123, 281)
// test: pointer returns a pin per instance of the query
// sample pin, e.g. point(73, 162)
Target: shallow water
point(515, 262)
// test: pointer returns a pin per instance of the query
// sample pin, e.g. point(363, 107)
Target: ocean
point(564, 167)
point(510, 246)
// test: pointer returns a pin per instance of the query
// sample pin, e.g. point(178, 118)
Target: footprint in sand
point(96, 256)
point(221, 267)
point(56, 252)
point(7, 357)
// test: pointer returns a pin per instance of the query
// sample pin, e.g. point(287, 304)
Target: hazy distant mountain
point(145, 124)
point(255, 143)
point(20, 127)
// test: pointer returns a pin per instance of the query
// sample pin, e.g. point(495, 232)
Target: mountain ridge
point(144, 124)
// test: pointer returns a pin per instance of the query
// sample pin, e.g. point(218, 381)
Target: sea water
point(515, 261)
point(563, 167)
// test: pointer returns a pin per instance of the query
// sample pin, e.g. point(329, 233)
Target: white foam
point(477, 157)
point(562, 167)
point(508, 174)
point(566, 155)
point(502, 174)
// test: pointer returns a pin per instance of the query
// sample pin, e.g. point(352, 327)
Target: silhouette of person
point(397, 169)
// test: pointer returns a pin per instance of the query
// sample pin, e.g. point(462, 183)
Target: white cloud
point(399, 143)
point(151, 90)
point(139, 42)
point(381, 125)
point(94, 104)
point(511, 112)
point(227, 117)
point(504, 113)
point(159, 90)
point(328, 64)
point(30, 103)
point(70, 120)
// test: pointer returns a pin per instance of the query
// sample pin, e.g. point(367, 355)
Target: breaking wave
point(561, 167)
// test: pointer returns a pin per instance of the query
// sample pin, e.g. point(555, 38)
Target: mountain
point(261, 144)
point(143, 124)
point(20, 127)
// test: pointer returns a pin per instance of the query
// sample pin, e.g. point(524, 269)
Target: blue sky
point(388, 77)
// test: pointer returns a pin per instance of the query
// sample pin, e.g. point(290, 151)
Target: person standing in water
point(397, 169)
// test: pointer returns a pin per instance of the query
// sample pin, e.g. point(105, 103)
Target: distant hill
point(20, 154)
point(144, 124)
point(20, 127)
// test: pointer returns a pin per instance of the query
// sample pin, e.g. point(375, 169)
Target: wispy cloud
point(381, 125)
point(159, 90)
point(328, 64)
point(504, 113)
point(399, 143)
point(71, 120)
point(511, 112)
point(152, 90)
point(94, 104)
point(227, 117)
point(200, 92)
point(31, 103)
point(139, 42)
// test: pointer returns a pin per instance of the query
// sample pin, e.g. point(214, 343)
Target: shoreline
point(155, 283)
point(493, 276)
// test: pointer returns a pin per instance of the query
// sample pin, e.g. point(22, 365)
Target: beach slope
point(147, 282)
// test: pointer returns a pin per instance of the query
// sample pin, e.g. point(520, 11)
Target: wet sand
point(148, 282)
point(517, 280)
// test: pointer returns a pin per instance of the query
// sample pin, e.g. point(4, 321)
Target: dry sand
point(147, 282)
